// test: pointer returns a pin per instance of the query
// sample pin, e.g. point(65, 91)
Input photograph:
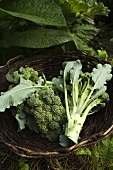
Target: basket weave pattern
point(29, 144)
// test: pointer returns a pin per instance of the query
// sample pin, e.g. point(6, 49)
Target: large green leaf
point(105, 148)
point(85, 7)
point(45, 12)
point(74, 6)
point(98, 9)
point(85, 31)
point(82, 34)
point(95, 158)
point(35, 38)
point(43, 38)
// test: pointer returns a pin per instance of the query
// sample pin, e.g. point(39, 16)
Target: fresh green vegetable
point(17, 94)
point(43, 111)
point(27, 73)
point(28, 82)
point(58, 107)
point(84, 94)
point(49, 113)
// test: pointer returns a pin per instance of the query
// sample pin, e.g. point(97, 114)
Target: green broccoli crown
point(27, 73)
point(16, 77)
point(31, 123)
point(48, 111)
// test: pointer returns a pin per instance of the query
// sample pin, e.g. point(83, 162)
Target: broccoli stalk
point(93, 94)
point(73, 131)
point(85, 93)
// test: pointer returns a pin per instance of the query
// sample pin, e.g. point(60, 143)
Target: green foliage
point(101, 154)
point(82, 34)
point(81, 7)
point(102, 54)
point(105, 151)
point(73, 6)
point(44, 37)
point(40, 12)
point(22, 165)
point(34, 24)
point(111, 40)
point(35, 38)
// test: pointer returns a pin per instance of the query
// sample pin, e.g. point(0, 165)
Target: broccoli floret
point(17, 109)
point(31, 123)
point(53, 135)
point(34, 100)
point(16, 77)
point(49, 113)
point(47, 96)
point(27, 73)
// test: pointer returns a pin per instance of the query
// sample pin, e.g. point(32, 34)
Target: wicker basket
point(29, 144)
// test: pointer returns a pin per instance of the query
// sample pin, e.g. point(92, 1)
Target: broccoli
point(58, 107)
point(31, 123)
point(48, 112)
point(20, 116)
point(43, 111)
point(27, 73)
point(85, 93)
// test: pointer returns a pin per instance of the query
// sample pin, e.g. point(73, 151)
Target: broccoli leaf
point(9, 77)
point(76, 68)
point(58, 84)
point(17, 94)
point(21, 118)
point(64, 141)
point(101, 74)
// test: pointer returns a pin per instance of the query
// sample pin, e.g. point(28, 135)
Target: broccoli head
point(43, 111)
point(27, 73)
point(48, 112)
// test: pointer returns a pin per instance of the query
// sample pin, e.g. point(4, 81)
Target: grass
point(11, 161)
